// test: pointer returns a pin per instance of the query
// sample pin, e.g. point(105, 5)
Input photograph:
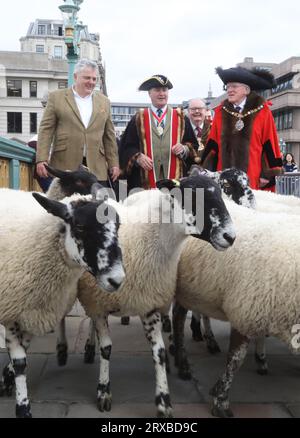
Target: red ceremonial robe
point(254, 149)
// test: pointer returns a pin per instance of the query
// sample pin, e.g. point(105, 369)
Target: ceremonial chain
point(240, 124)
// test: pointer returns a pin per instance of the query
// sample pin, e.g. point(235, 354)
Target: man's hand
point(144, 162)
point(178, 149)
point(41, 169)
point(114, 173)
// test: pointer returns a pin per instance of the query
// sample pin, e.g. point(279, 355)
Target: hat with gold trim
point(156, 81)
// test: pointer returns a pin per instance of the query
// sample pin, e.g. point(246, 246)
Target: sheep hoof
point(220, 412)
point(104, 402)
point(213, 347)
point(164, 412)
point(62, 354)
point(6, 391)
point(125, 320)
point(166, 325)
point(89, 354)
point(197, 337)
point(184, 373)
point(172, 349)
point(23, 411)
point(262, 371)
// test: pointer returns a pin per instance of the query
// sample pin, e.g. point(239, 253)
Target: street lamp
point(73, 30)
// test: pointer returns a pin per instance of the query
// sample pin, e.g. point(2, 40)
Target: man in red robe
point(243, 133)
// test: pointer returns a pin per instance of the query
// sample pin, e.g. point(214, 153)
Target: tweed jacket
point(62, 135)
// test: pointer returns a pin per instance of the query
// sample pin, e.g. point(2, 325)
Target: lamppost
point(73, 29)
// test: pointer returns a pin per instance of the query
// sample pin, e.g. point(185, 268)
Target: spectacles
point(193, 110)
point(233, 86)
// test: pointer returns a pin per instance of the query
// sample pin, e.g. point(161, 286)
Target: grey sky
point(185, 40)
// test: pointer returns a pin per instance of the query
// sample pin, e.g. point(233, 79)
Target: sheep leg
point(89, 349)
point(211, 343)
point(125, 320)
point(181, 361)
point(62, 344)
point(8, 375)
point(196, 328)
point(166, 323)
point(8, 381)
point(152, 329)
point(104, 396)
point(236, 355)
point(17, 342)
point(260, 356)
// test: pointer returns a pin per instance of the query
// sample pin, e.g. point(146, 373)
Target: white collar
point(154, 109)
point(194, 126)
point(241, 105)
point(80, 97)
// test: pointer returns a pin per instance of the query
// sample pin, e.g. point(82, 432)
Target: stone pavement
point(69, 392)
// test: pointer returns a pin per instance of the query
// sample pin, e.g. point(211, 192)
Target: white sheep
point(42, 257)
point(151, 253)
point(248, 286)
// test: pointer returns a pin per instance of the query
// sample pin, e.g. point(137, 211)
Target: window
point(58, 30)
point(41, 29)
point(62, 84)
point(33, 88)
point(14, 88)
point(284, 119)
point(39, 48)
point(14, 123)
point(33, 123)
point(58, 52)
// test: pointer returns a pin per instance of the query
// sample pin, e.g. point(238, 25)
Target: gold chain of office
point(240, 124)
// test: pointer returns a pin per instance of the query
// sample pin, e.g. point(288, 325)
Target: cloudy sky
point(182, 39)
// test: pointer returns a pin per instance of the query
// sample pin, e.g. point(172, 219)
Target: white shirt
point(85, 107)
point(241, 105)
point(163, 110)
point(195, 127)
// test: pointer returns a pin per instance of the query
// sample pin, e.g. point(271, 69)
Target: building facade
point(26, 77)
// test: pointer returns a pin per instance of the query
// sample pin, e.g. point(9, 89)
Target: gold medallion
point(201, 146)
point(239, 125)
point(160, 130)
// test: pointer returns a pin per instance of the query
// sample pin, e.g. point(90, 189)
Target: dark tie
point(237, 109)
point(159, 113)
point(199, 131)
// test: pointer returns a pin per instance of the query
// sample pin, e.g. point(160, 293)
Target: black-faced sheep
point(151, 253)
point(42, 257)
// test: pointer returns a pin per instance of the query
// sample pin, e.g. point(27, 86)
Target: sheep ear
point(99, 193)
point(54, 207)
point(167, 184)
point(55, 172)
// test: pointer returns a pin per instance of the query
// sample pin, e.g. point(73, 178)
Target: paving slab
point(38, 409)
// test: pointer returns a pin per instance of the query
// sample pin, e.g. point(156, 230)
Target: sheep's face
point(93, 243)
point(90, 242)
point(205, 210)
point(78, 181)
point(235, 184)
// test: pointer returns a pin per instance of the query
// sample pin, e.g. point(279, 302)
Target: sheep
point(243, 287)
point(235, 185)
point(151, 253)
point(42, 258)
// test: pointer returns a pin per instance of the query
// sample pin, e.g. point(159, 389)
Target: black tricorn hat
point(256, 79)
point(155, 81)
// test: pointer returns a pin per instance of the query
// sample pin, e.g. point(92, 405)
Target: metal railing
point(288, 184)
